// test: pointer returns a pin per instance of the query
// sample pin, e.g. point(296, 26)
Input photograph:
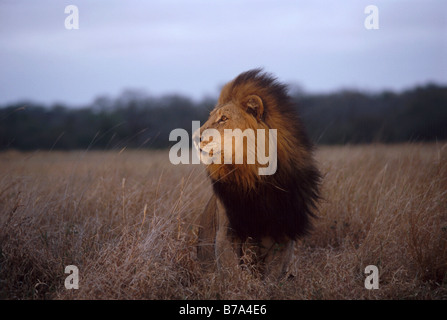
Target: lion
point(254, 220)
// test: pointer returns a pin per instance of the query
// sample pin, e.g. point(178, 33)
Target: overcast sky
point(193, 47)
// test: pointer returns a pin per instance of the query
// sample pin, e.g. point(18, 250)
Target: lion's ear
point(254, 105)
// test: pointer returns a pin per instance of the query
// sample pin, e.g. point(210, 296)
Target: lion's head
point(253, 101)
point(230, 140)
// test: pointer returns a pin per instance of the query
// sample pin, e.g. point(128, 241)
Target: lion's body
point(263, 213)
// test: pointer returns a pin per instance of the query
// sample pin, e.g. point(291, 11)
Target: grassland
point(128, 221)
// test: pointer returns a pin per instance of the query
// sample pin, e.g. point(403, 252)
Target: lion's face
point(210, 138)
point(224, 138)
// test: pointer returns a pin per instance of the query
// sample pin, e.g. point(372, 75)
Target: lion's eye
point(223, 118)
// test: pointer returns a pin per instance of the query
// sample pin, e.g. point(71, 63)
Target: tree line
point(136, 120)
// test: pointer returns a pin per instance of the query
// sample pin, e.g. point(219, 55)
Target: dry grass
point(128, 221)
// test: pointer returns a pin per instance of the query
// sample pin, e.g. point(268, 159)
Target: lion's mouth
point(210, 149)
point(210, 153)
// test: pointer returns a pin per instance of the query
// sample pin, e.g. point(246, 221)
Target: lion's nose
point(196, 138)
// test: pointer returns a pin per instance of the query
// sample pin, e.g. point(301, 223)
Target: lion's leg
point(250, 251)
point(227, 246)
point(207, 235)
point(277, 257)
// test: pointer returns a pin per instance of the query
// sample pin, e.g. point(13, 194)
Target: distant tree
point(137, 120)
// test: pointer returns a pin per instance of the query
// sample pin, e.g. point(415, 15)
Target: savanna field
point(128, 220)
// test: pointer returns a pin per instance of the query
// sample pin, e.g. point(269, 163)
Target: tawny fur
point(268, 212)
